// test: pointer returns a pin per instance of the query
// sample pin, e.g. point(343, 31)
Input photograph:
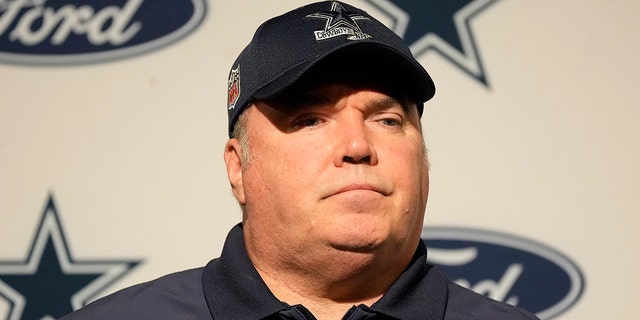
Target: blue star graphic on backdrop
point(50, 283)
point(439, 25)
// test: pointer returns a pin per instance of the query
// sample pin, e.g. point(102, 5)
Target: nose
point(354, 145)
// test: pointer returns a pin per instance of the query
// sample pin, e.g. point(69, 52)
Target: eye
point(389, 119)
point(390, 122)
point(308, 122)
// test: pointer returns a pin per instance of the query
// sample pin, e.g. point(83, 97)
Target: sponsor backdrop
point(113, 121)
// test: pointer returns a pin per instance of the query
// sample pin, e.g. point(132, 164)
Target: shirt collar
point(420, 293)
point(233, 288)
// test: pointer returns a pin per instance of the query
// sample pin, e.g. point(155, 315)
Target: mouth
point(358, 187)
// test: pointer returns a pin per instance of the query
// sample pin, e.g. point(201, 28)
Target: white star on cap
point(338, 16)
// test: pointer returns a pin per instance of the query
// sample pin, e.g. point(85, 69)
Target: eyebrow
point(386, 103)
point(389, 102)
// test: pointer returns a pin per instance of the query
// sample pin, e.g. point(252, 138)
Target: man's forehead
point(327, 95)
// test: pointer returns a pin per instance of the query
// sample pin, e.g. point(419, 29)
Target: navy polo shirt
point(230, 288)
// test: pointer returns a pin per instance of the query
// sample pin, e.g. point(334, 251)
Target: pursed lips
point(358, 187)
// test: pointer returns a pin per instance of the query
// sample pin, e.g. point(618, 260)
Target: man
point(327, 161)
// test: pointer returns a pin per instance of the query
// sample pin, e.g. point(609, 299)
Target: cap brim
point(374, 58)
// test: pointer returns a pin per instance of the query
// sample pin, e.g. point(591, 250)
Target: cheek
point(408, 162)
point(425, 180)
point(409, 169)
point(298, 161)
point(280, 176)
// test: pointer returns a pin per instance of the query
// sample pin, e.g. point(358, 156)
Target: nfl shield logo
point(233, 88)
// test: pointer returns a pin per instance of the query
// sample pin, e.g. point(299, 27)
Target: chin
point(356, 240)
point(356, 232)
point(361, 247)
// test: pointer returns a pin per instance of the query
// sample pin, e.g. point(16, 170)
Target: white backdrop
point(131, 149)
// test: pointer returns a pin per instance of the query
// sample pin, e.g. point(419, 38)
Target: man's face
point(333, 167)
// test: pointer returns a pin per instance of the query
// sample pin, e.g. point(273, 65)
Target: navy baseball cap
point(287, 47)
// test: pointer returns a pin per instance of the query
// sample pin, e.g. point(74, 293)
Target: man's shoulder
point(167, 297)
point(466, 304)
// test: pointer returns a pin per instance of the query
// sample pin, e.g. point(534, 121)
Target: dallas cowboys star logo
point(50, 283)
point(439, 25)
point(340, 21)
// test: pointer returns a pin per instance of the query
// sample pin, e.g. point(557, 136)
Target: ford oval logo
point(54, 32)
point(506, 268)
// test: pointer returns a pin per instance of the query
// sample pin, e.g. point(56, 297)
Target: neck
point(329, 289)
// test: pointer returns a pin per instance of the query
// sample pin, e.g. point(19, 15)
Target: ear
point(233, 159)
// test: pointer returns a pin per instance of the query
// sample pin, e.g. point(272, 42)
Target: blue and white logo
point(507, 268)
point(54, 32)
